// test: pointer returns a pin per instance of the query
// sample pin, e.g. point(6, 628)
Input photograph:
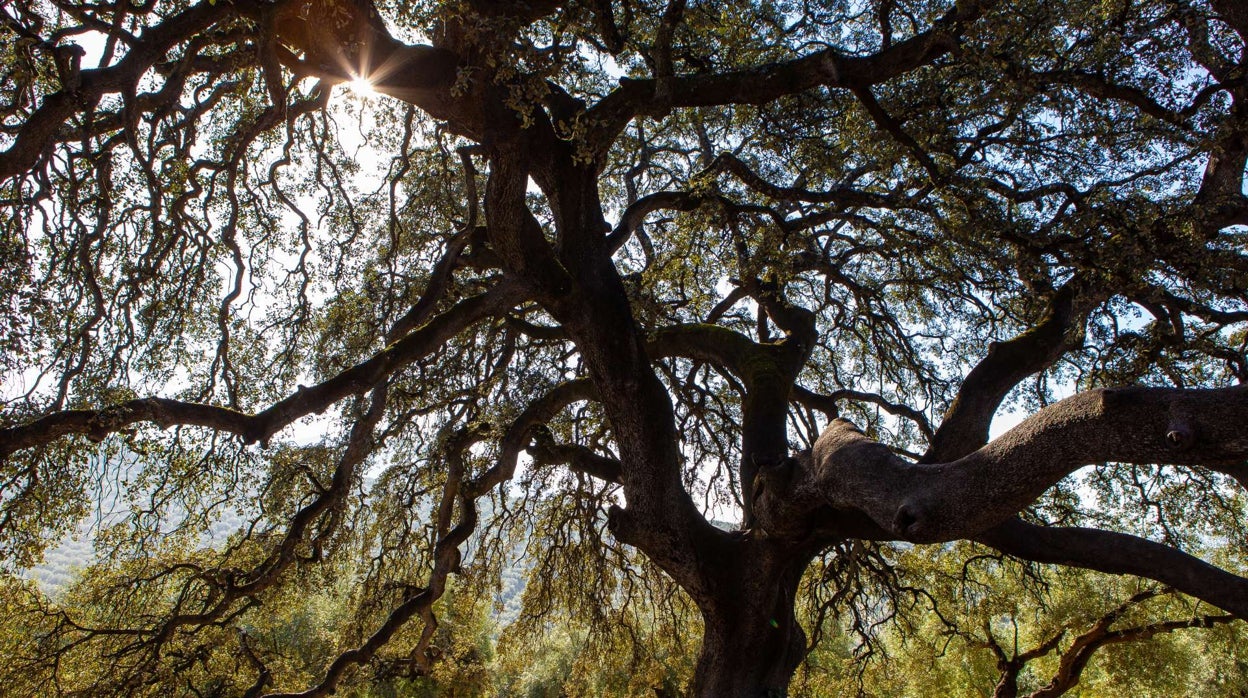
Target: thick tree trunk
point(750, 656)
point(752, 642)
point(1007, 687)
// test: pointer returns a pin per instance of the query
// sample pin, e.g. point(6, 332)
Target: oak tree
point(610, 271)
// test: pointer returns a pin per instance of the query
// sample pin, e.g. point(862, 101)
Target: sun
point(362, 87)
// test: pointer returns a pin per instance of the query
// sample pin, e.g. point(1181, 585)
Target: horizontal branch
point(334, 41)
point(848, 476)
point(840, 197)
point(516, 437)
point(1121, 553)
point(576, 457)
point(165, 413)
point(636, 213)
point(948, 501)
point(763, 365)
point(766, 83)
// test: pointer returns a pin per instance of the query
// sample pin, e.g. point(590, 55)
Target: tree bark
point(748, 657)
point(1007, 687)
point(752, 642)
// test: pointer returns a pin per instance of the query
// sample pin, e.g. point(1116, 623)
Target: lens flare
point(362, 87)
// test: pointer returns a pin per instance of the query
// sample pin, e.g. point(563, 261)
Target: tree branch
point(46, 124)
point(766, 83)
point(827, 405)
point(1121, 553)
point(1076, 658)
point(165, 413)
point(576, 457)
point(539, 411)
point(947, 501)
point(966, 422)
point(446, 559)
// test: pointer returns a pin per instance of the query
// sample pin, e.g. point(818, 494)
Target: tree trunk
point(752, 642)
point(1007, 687)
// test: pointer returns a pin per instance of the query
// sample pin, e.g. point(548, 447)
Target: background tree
point(656, 247)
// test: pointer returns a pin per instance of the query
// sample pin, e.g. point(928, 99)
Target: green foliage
point(315, 286)
point(970, 600)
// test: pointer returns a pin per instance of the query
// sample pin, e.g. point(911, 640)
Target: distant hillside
point(63, 562)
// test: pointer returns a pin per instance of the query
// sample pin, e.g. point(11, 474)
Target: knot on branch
point(256, 431)
point(68, 58)
point(1181, 432)
point(912, 523)
point(1180, 437)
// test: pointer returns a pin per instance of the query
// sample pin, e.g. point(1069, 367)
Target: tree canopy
point(581, 282)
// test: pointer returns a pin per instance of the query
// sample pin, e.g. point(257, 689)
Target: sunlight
point(362, 87)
